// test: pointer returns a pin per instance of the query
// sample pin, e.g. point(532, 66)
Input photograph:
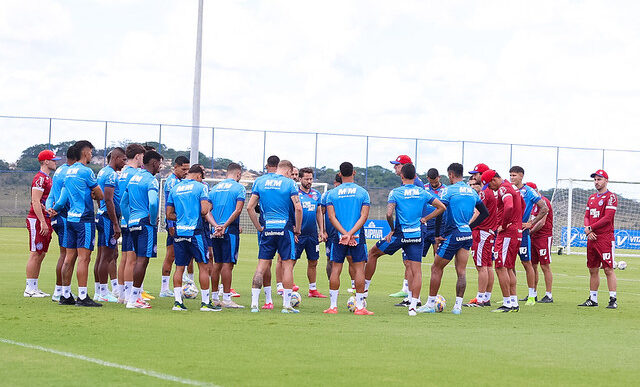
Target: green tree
point(4, 166)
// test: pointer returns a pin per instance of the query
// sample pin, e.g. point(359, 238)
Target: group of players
point(489, 218)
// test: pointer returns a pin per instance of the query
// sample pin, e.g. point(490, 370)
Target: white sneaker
point(166, 293)
point(56, 297)
point(412, 312)
point(139, 304)
point(232, 305)
point(35, 293)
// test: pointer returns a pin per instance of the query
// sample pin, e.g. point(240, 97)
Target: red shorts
point(601, 252)
point(482, 248)
point(506, 249)
point(541, 250)
point(37, 242)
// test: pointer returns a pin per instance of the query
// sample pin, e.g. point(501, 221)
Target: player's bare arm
point(111, 211)
point(298, 211)
point(251, 211)
point(543, 210)
point(364, 215)
point(171, 213)
point(234, 215)
point(344, 239)
point(36, 196)
point(440, 208)
point(96, 194)
point(391, 208)
point(320, 223)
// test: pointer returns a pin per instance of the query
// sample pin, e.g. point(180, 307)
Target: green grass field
point(546, 344)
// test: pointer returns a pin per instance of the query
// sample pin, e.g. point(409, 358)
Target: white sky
point(543, 72)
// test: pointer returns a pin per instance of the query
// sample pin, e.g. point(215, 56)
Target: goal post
point(569, 201)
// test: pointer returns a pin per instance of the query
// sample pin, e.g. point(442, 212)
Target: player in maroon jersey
point(508, 239)
point(598, 225)
point(39, 222)
point(541, 239)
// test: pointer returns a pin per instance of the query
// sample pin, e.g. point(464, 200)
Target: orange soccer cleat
point(331, 311)
point(268, 306)
point(316, 294)
point(363, 312)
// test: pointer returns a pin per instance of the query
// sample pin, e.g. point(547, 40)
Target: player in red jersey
point(482, 248)
point(598, 225)
point(39, 222)
point(509, 208)
point(541, 239)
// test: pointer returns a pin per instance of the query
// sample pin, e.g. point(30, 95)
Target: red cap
point(487, 176)
point(600, 172)
point(532, 185)
point(47, 155)
point(480, 168)
point(402, 159)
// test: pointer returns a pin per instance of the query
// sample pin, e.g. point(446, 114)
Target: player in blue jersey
point(180, 168)
point(135, 154)
point(139, 206)
point(348, 209)
point(227, 199)
point(408, 202)
point(531, 198)
point(108, 224)
point(435, 187)
point(461, 200)
point(276, 194)
point(59, 220)
point(397, 165)
point(312, 228)
point(187, 203)
point(80, 189)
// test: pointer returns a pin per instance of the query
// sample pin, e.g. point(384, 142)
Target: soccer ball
point(351, 304)
point(189, 291)
point(622, 265)
point(441, 303)
point(295, 299)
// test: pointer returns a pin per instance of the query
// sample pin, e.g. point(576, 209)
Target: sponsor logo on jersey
point(463, 238)
point(273, 183)
point(594, 213)
point(411, 229)
point(186, 228)
point(135, 179)
point(346, 191)
point(73, 171)
point(411, 192)
point(182, 239)
point(185, 187)
point(411, 240)
point(222, 186)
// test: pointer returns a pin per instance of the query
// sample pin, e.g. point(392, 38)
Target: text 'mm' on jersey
point(224, 197)
point(79, 182)
point(274, 193)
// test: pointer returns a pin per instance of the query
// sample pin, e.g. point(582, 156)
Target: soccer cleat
point(362, 312)
point(295, 288)
point(35, 293)
point(527, 298)
point(166, 293)
point(146, 296)
point(472, 303)
point(217, 303)
point(531, 301)
point(55, 297)
point(41, 293)
point(399, 294)
point(66, 300)
point(88, 302)
point(515, 308)
point(209, 307)
point(426, 309)
point(486, 303)
point(456, 311)
point(121, 300)
point(316, 294)
point(234, 293)
point(232, 305)
point(138, 304)
point(404, 302)
point(331, 311)
point(589, 302)
point(290, 310)
point(546, 300)
point(613, 303)
point(412, 312)
point(268, 306)
point(115, 292)
point(110, 297)
point(98, 297)
point(502, 309)
point(179, 306)
point(254, 309)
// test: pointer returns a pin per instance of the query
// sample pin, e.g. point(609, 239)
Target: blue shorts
point(453, 242)
point(428, 240)
point(127, 241)
point(145, 239)
point(80, 235)
point(105, 232)
point(357, 253)
point(310, 245)
point(525, 247)
point(169, 239)
point(411, 247)
point(59, 225)
point(225, 249)
point(188, 247)
point(167, 227)
point(281, 241)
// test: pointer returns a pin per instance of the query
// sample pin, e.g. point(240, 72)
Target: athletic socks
point(506, 301)
point(532, 292)
point(267, 295)
point(32, 284)
point(58, 290)
point(114, 284)
point(514, 301)
point(458, 304)
point(66, 291)
point(82, 292)
point(487, 296)
point(593, 295)
point(205, 295)
point(255, 297)
point(96, 289)
point(366, 285)
point(480, 297)
point(353, 284)
point(405, 286)
point(548, 294)
point(333, 294)
point(226, 297)
point(165, 283)
point(613, 294)
point(359, 300)
point(104, 289)
point(279, 286)
point(215, 296)
point(135, 294)
point(286, 298)
point(220, 288)
point(414, 303)
point(177, 294)
point(431, 301)
point(312, 286)
point(128, 286)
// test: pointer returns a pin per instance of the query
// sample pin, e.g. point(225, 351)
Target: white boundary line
point(154, 374)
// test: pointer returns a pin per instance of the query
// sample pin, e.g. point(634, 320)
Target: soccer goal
point(569, 202)
point(245, 222)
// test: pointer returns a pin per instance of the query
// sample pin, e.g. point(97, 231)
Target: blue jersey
point(108, 177)
point(530, 197)
point(331, 231)
point(275, 192)
point(347, 201)
point(126, 174)
point(266, 175)
point(410, 201)
point(56, 189)
point(224, 197)
point(79, 182)
point(138, 189)
point(171, 181)
point(417, 182)
point(460, 200)
point(309, 202)
point(185, 197)
point(431, 224)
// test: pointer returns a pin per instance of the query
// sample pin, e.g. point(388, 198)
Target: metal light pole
point(195, 129)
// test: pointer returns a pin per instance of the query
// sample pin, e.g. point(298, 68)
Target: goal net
point(569, 202)
point(245, 222)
